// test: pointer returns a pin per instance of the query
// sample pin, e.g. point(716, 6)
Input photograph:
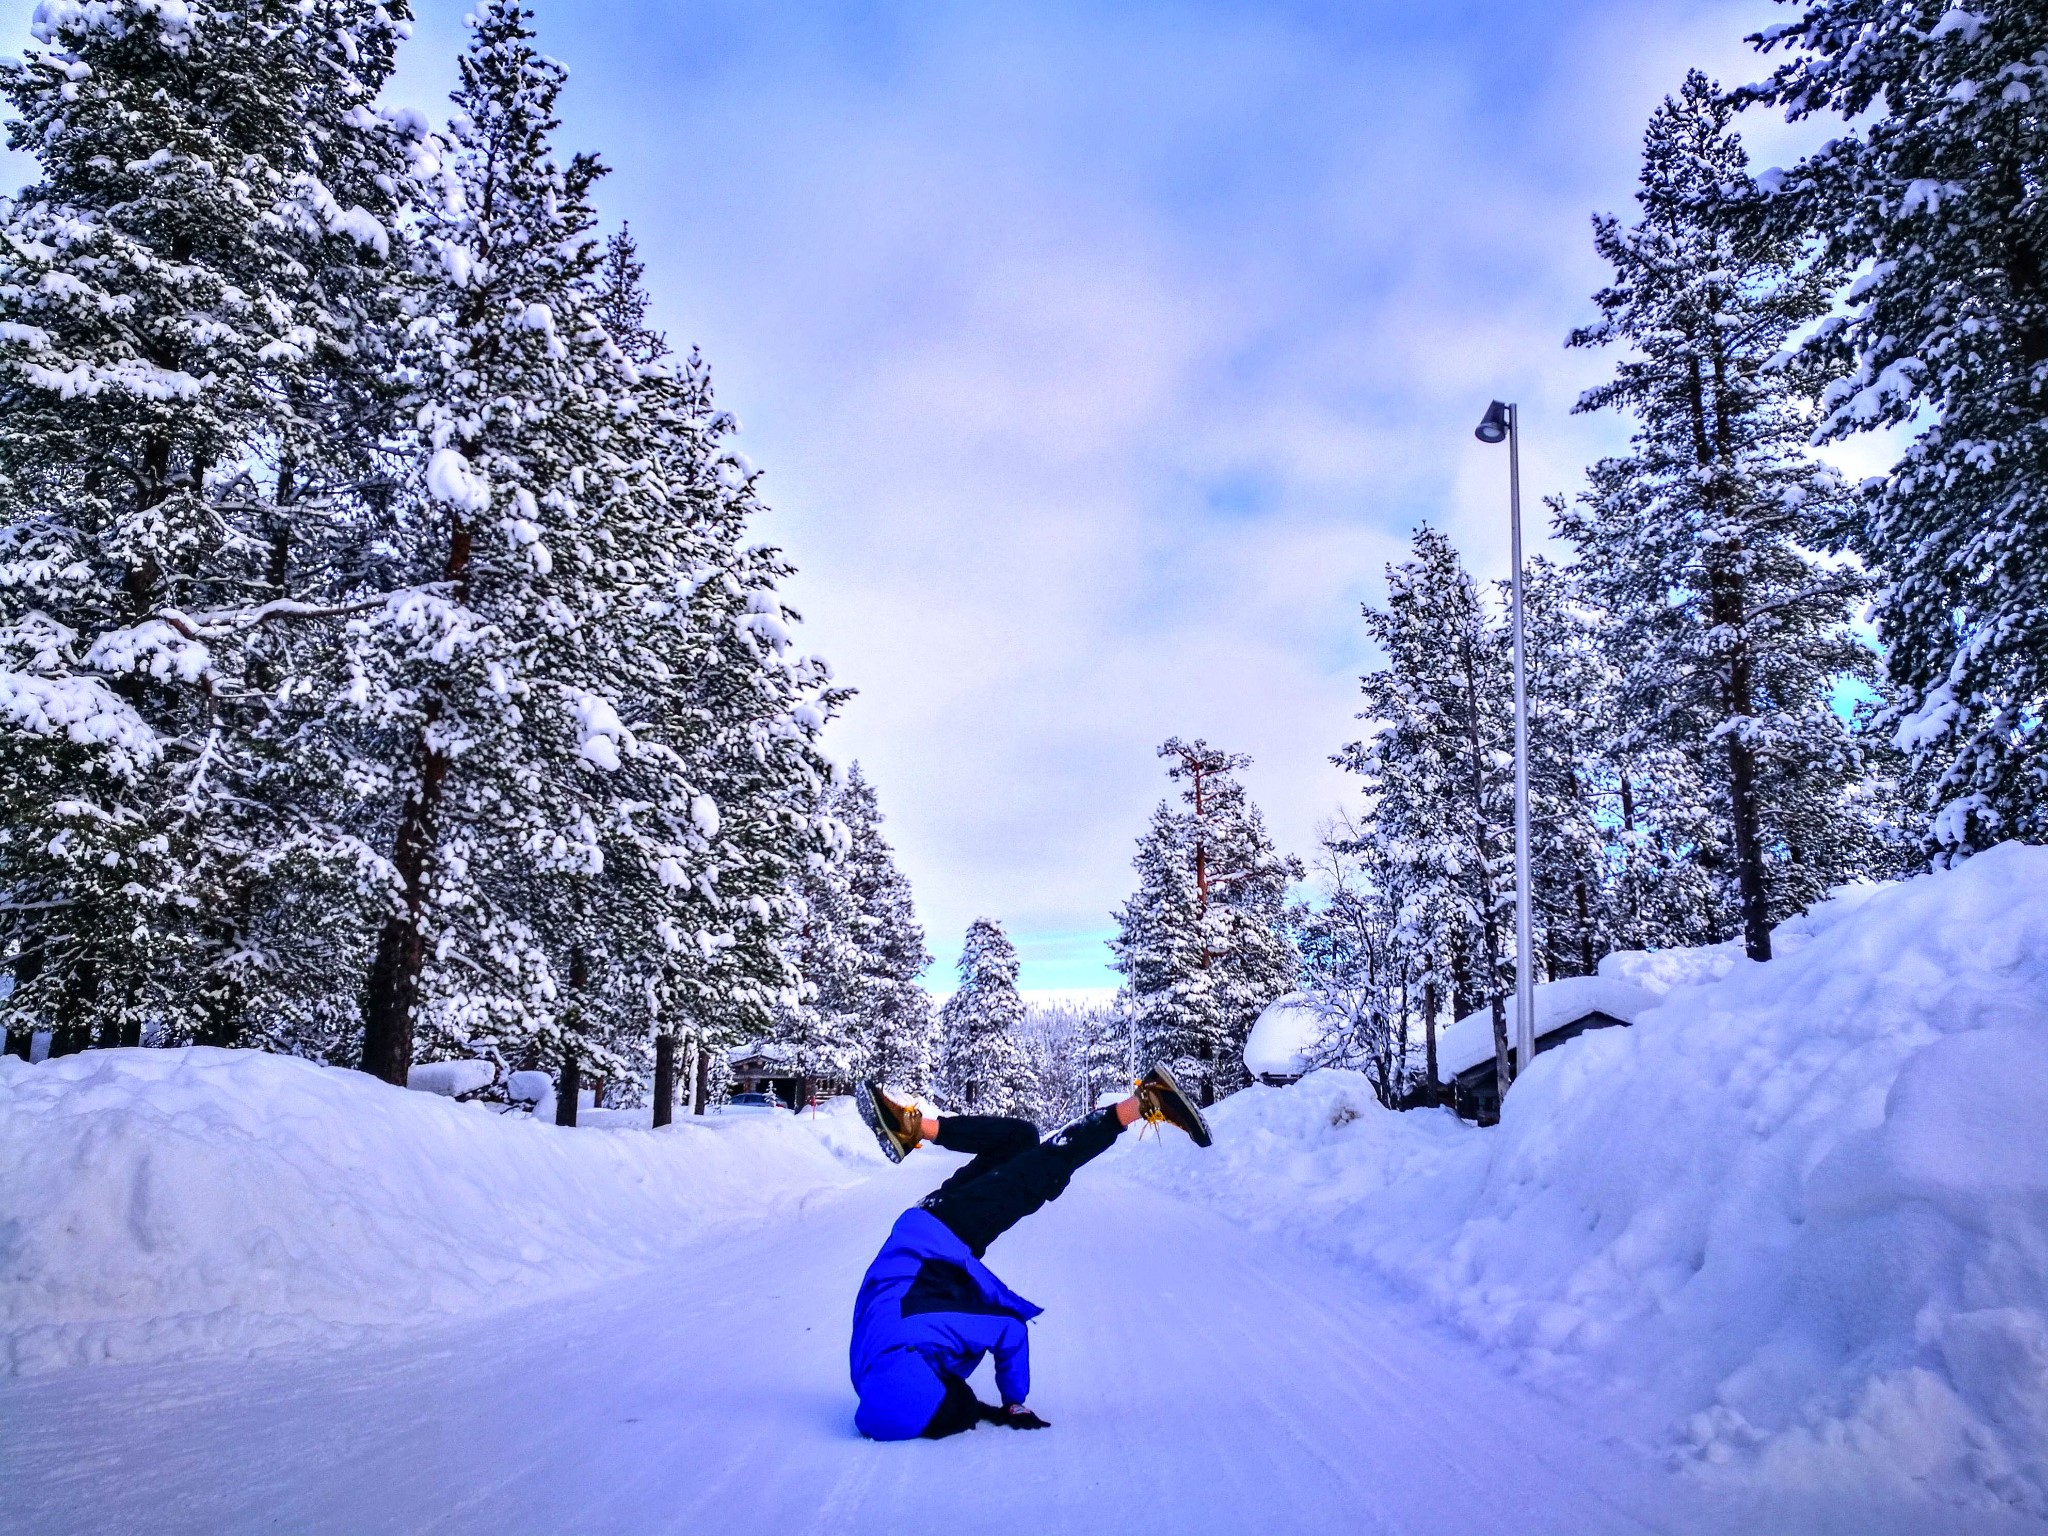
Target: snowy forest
point(1751, 681)
point(387, 673)
point(434, 865)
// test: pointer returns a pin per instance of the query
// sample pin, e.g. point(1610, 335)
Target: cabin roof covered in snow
point(1284, 1038)
point(769, 1052)
point(1558, 1003)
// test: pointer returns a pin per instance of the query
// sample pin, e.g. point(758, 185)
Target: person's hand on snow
point(1017, 1416)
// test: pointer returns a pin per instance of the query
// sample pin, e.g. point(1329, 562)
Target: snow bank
point(1658, 971)
point(156, 1203)
point(1297, 1157)
point(1799, 1214)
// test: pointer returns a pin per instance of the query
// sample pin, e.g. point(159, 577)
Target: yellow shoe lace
point(1149, 1111)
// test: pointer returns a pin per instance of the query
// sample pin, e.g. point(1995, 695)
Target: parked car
point(753, 1104)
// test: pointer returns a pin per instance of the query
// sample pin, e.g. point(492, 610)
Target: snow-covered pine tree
point(1202, 943)
point(732, 792)
point(741, 710)
point(1730, 631)
point(605, 742)
point(1937, 200)
point(1570, 680)
point(193, 302)
point(622, 301)
point(985, 1067)
point(510, 396)
point(895, 1019)
point(1439, 778)
point(726, 712)
point(817, 1025)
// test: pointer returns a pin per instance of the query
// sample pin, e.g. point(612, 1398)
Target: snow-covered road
point(1198, 1380)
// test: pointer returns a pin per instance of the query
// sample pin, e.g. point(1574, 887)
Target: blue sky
point(1099, 357)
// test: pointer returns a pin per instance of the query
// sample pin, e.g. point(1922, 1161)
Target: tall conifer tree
point(604, 742)
point(1937, 197)
point(896, 1020)
point(1731, 633)
point(1438, 774)
point(1202, 943)
point(986, 1066)
point(195, 323)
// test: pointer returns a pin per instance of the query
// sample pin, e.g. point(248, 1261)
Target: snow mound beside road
point(1299, 1157)
point(157, 1203)
point(1800, 1212)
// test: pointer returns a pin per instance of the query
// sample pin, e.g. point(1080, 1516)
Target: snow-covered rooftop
point(1558, 1003)
point(1284, 1038)
point(771, 1051)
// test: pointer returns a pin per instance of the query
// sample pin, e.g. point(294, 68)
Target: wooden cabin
point(1565, 1009)
point(763, 1066)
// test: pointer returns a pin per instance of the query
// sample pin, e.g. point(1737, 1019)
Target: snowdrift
point(1798, 1214)
point(157, 1203)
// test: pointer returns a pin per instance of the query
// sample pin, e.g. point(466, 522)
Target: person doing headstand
point(929, 1310)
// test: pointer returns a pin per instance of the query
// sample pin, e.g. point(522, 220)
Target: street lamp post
point(1503, 421)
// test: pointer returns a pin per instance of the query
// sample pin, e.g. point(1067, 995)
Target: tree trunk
point(1401, 1076)
point(1743, 813)
point(571, 1089)
point(72, 1030)
point(1728, 606)
point(664, 1079)
point(1587, 963)
point(703, 1079)
point(1749, 854)
point(1429, 1035)
point(392, 995)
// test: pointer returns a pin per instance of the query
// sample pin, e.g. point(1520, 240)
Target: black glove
point(1017, 1416)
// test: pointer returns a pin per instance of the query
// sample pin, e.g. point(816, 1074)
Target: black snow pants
point(1013, 1172)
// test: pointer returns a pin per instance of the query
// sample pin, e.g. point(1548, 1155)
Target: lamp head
point(1493, 426)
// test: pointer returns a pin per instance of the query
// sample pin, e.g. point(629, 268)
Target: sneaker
point(896, 1126)
point(1160, 1099)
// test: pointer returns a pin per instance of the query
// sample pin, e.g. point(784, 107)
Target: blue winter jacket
point(926, 1306)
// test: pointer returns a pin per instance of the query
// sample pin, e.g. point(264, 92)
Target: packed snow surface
point(1215, 1383)
point(1791, 1229)
point(1556, 1003)
point(163, 1202)
point(1798, 1214)
point(1283, 1040)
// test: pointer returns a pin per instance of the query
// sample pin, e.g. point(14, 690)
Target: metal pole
point(1525, 1001)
